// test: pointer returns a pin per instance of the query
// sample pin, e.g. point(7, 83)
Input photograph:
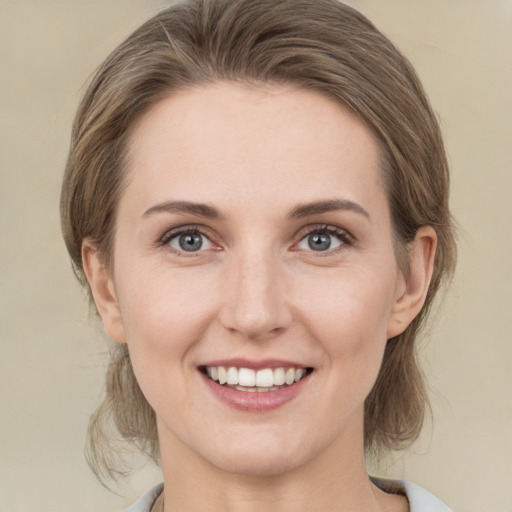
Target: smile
point(263, 380)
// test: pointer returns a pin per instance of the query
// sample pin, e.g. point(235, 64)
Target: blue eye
point(189, 241)
point(319, 242)
point(323, 240)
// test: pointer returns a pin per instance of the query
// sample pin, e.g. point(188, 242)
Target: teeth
point(222, 374)
point(247, 379)
point(279, 377)
point(265, 378)
point(299, 373)
point(290, 376)
point(251, 389)
point(232, 376)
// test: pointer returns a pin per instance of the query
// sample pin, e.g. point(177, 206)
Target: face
point(254, 278)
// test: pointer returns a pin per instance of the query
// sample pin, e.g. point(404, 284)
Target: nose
point(254, 303)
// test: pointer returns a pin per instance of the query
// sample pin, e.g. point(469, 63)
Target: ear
point(103, 291)
point(414, 288)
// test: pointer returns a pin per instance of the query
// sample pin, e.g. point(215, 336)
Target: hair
point(318, 45)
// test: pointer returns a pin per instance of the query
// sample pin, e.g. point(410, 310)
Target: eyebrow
point(199, 209)
point(299, 212)
point(319, 207)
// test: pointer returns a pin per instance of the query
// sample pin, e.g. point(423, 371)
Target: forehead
point(229, 140)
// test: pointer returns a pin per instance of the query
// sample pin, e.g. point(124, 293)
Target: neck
point(334, 480)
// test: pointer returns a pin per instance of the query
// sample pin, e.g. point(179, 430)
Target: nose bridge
point(255, 303)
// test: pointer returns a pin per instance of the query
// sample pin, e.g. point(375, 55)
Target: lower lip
point(255, 401)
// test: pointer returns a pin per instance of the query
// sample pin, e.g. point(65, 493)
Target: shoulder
point(419, 499)
point(145, 502)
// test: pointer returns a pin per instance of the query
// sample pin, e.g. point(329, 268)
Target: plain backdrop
point(52, 354)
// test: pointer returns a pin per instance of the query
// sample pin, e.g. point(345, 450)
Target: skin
point(256, 290)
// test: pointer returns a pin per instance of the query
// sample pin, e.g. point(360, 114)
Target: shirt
point(420, 500)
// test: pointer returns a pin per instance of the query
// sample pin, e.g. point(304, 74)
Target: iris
point(319, 242)
point(190, 242)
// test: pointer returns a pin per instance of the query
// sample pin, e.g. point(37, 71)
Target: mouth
point(263, 380)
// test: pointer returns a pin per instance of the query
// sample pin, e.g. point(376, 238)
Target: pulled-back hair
point(318, 45)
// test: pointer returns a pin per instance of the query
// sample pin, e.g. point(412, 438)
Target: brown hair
point(320, 45)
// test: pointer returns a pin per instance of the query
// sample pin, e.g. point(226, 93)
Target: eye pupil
point(319, 242)
point(190, 242)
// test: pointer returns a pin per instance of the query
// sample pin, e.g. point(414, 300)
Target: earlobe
point(103, 291)
point(410, 300)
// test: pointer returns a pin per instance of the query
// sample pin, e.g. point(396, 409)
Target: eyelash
point(185, 230)
point(342, 235)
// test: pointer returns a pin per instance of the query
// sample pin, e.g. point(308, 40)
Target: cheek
point(348, 315)
point(164, 311)
point(358, 301)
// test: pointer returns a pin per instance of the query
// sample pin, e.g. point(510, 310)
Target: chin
point(256, 458)
point(268, 466)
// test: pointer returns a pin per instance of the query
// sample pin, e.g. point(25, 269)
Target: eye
point(191, 240)
point(324, 239)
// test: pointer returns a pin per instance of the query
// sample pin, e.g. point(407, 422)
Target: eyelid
point(344, 236)
point(172, 233)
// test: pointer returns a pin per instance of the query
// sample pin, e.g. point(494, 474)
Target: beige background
point(52, 360)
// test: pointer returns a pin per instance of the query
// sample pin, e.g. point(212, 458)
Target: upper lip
point(255, 364)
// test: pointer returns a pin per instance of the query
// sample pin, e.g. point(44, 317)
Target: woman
point(257, 199)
